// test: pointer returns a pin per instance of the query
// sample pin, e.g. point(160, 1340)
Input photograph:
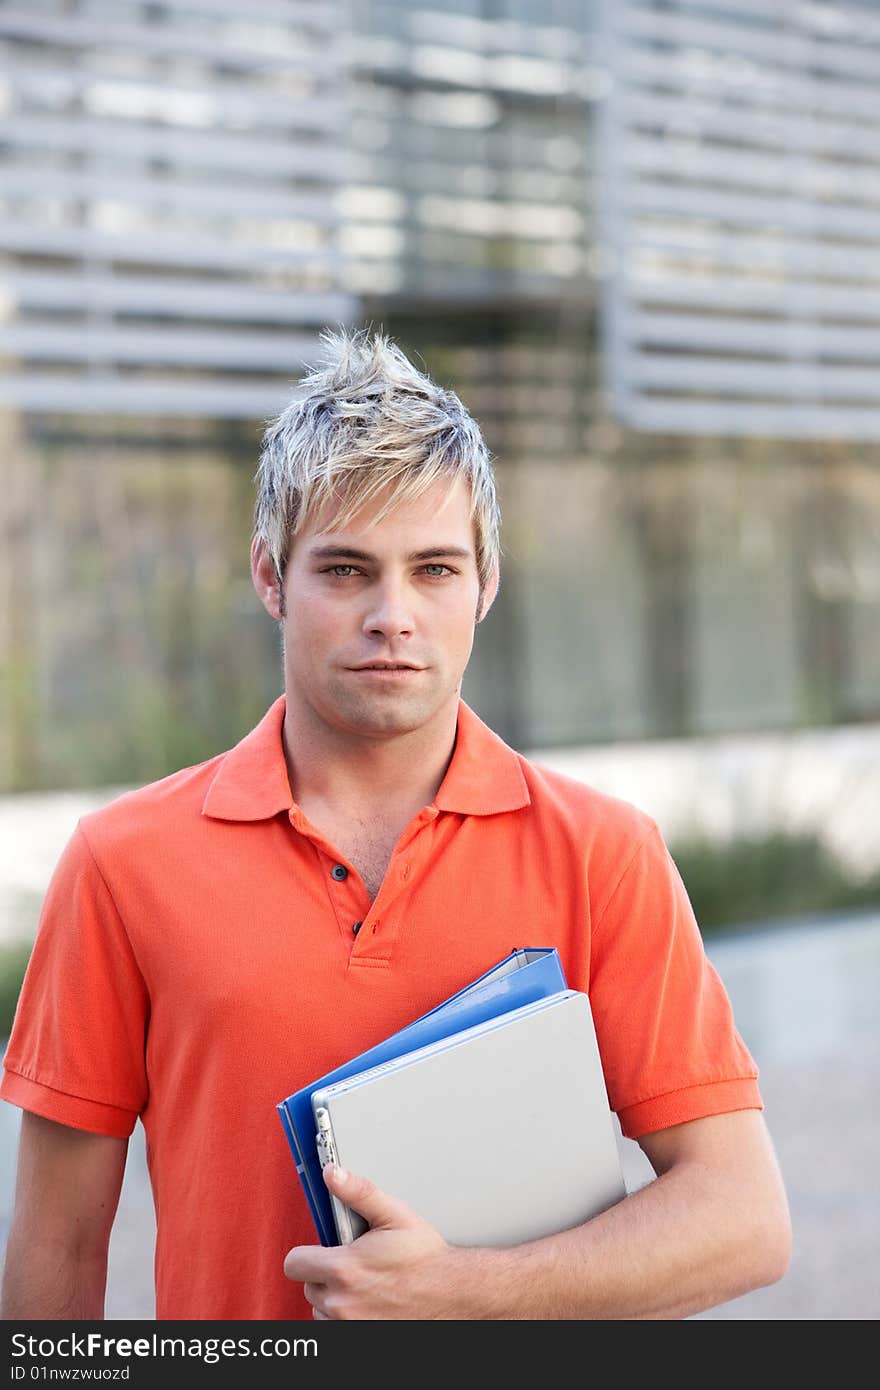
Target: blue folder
point(522, 977)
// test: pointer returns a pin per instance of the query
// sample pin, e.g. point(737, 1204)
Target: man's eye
point(437, 571)
point(343, 571)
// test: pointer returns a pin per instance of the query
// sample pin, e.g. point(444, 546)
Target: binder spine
point(303, 1173)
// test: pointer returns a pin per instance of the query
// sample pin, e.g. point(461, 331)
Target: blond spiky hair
point(363, 420)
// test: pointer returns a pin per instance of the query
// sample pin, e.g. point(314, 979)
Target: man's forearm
point(49, 1282)
point(680, 1245)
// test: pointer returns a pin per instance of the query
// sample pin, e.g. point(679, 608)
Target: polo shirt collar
point(484, 776)
point(251, 782)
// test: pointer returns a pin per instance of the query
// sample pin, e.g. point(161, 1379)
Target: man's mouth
point(387, 666)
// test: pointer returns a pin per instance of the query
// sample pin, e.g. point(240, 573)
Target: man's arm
point(66, 1195)
point(712, 1226)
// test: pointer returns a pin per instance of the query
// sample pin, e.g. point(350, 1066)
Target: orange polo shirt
point(197, 961)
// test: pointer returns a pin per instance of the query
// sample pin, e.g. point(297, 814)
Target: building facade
point(638, 240)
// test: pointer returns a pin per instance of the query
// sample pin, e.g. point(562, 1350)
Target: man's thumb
point(378, 1208)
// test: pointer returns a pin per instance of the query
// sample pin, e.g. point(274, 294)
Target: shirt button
point(355, 927)
point(339, 871)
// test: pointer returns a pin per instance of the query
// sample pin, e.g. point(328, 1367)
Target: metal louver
point(169, 179)
point(739, 148)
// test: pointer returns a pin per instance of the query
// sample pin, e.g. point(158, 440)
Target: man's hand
point(401, 1268)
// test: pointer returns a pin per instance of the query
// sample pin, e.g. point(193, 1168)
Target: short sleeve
point(76, 1052)
point(670, 1048)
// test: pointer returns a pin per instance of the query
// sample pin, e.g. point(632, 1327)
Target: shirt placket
point(367, 929)
point(346, 893)
point(379, 929)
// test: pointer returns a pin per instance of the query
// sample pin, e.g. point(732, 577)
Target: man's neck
point(335, 769)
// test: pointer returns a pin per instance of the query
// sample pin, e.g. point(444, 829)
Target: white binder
point(499, 1134)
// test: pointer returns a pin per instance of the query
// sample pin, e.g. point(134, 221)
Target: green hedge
point(753, 879)
point(13, 960)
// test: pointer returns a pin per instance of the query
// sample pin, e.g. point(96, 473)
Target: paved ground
point(808, 1001)
point(824, 1120)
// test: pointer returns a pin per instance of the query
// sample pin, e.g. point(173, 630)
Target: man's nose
point(389, 613)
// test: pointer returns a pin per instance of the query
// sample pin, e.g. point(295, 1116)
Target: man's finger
point(378, 1208)
point(313, 1293)
point(307, 1262)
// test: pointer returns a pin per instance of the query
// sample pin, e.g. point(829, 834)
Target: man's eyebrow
point(348, 552)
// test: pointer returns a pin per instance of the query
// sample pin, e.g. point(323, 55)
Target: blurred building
point(639, 240)
point(170, 209)
point(741, 214)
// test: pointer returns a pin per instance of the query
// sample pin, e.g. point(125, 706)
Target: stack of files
point(489, 1115)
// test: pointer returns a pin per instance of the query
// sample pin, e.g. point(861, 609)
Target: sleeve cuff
point(91, 1115)
point(693, 1103)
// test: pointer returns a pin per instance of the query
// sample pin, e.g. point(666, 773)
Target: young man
point(213, 941)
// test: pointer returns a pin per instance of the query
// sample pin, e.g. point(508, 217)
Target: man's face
point(379, 620)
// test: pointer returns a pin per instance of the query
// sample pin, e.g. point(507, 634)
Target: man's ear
point(266, 581)
point(487, 597)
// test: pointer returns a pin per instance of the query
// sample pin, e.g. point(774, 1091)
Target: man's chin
point(386, 723)
point(387, 714)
